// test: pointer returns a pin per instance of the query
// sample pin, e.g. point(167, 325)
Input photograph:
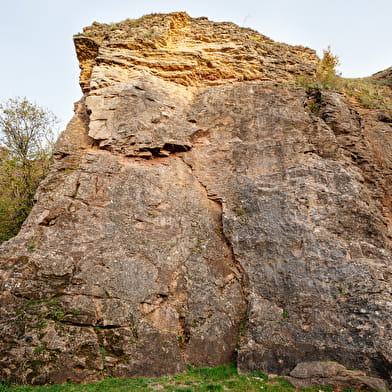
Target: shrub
point(26, 144)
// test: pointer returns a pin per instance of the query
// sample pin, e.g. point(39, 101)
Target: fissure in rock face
point(199, 212)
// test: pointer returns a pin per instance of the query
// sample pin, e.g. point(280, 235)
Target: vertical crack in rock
point(243, 280)
point(243, 277)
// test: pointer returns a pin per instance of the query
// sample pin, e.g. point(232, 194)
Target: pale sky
point(38, 58)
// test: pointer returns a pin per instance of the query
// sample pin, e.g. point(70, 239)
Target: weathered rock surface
point(307, 374)
point(199, 211)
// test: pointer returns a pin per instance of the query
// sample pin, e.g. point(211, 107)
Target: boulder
point(309, 374)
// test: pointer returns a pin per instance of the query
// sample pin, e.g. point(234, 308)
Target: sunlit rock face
point(200, 212)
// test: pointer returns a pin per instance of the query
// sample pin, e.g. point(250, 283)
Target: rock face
point(198, 212)
point(307, 374)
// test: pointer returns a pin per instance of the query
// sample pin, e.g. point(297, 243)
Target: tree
point(26, 146)
point(326, 72)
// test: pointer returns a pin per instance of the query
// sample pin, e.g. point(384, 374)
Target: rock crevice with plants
point(209, 202)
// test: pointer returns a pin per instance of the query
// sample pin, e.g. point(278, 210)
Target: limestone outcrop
point(200, 211)
point(307, 374)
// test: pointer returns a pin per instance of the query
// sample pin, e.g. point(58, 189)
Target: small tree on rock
point(326, 72)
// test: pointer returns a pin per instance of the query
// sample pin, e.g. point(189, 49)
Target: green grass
point(367, 92)
point(220, 378)
point(373, 92)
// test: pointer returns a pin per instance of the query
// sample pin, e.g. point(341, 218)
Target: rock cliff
point(199, 211)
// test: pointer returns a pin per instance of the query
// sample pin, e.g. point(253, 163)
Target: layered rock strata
point(200, 210)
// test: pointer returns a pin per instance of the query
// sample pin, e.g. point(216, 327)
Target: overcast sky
point(38, 59)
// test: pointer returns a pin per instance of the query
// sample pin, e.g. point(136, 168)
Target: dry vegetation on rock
point(374, 92)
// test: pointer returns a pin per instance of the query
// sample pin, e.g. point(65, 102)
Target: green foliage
point(325, 388)
point(26, 145)
point(102, 351)
point(42, 310)
point(56, 314)
point(3, 387)
point(199, 243)
point(220, 378)
point(26, 129)
point(314, 107)
point(38, 349)
point(240, 212)
point(214, 387)
point(260, 374)
point(222, 372)
point(370, 92)
point(326, 76)
point(242, 328)
point(42, 324)
point(326, 72)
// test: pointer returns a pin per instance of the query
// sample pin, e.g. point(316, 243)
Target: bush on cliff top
point(370, 92)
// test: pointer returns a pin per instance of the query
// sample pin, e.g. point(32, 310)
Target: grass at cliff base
point(220, 378)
